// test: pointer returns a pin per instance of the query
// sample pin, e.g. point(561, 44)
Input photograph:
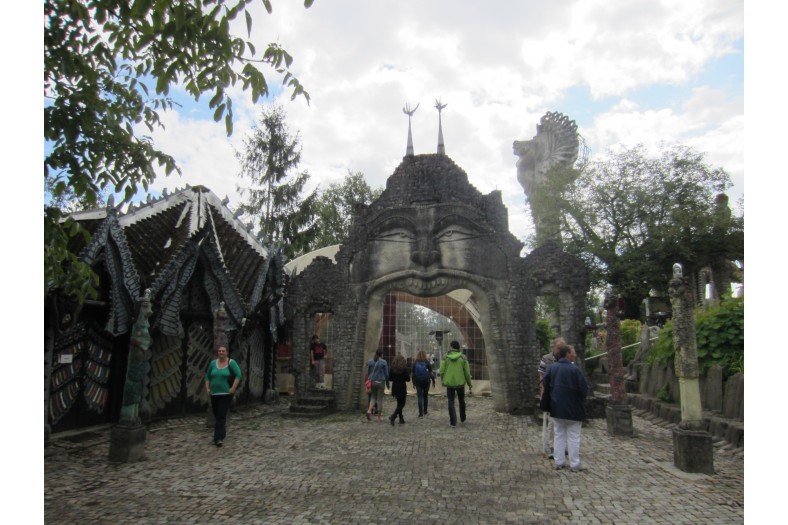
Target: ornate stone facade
point(429, 233)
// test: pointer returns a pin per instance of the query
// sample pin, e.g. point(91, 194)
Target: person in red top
point(317, 353)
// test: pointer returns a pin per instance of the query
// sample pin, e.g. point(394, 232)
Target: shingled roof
point(166, 237)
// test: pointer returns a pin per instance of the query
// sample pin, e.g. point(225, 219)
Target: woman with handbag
point(378, 374)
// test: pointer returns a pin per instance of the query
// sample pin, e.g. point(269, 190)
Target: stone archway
point(430, 233)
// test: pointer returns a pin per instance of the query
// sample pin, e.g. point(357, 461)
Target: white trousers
point(567, 434)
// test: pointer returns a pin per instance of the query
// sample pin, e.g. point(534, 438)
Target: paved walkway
point(343, 470)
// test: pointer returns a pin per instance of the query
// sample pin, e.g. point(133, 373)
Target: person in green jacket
point(455, 374)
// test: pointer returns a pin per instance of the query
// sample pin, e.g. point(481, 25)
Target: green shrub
point(663, 394)
point(720, 335)
point(544, 335)
point(630, 334)
point(719, 332)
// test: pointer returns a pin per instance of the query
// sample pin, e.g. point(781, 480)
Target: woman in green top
point(221, 382)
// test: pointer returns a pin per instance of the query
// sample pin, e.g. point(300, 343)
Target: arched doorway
point(411, 323)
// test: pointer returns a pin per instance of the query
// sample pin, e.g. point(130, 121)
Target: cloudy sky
point(641, 71)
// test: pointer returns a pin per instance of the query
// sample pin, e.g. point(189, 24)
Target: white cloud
point(499, 65)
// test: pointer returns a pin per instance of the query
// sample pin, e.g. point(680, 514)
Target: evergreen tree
point(270, 157)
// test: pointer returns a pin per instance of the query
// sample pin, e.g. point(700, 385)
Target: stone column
point(617, 412)
point(692, 445)
point(127, 442)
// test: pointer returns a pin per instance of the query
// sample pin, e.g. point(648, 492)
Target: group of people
point(563, 388)
point(455, 373)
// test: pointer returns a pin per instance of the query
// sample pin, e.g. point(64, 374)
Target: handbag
point(368, 382)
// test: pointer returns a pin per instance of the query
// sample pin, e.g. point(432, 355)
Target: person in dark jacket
point(398, 376)
point(568, 388)
point(422, 375)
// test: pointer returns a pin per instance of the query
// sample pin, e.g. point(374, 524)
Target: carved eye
point(454, 234)
point(396, 235)
point(395, 229)
point(455, 228)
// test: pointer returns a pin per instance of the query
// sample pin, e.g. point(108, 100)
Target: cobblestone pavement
point(342, 469)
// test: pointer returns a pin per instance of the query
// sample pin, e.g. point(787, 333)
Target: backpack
point(420, 371)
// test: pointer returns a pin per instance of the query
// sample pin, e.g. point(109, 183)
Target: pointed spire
point(439, 107)
point(409, 112)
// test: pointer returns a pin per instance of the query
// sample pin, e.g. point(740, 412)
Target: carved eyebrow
point(461, 221)
point(392, 223)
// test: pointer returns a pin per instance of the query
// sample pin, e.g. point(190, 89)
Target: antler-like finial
point(409, 112)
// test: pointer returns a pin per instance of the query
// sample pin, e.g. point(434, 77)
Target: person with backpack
point(422, 375)
point(221, 382)
point(455, 374)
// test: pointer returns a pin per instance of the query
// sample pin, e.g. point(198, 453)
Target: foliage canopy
point(719, 332)
point(335, 207)
point(631, 216)
point(108, 69)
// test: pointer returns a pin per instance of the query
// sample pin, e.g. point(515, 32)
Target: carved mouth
point(430, 283)
point(420, 284)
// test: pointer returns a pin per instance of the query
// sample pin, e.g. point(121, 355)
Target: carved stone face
point(430, 249)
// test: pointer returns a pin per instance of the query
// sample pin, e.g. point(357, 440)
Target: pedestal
point(271, 396)
point(619, 420)
point(693, 451)
point(127, 443)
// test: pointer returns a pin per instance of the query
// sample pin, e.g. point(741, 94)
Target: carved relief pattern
point(64, 384)
point(97, 371)
point(89, 369)
point(256, 362)
point(165, 373)
point(198, 356)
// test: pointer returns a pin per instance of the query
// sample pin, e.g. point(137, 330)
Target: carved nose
point(426, 258)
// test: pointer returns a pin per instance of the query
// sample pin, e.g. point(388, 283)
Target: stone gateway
point(431, 233)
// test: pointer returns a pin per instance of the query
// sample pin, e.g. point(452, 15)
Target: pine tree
point(270, 157)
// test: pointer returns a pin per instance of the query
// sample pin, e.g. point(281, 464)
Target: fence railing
point(622, 348)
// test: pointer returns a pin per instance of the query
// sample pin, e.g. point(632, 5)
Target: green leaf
point(217, 115)
point(248, 23)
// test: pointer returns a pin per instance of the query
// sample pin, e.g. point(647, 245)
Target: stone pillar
point(692, 445)
point(618, 412)
point(127, 442)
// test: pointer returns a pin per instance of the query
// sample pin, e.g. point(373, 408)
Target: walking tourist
point(399, 375)
point(568, 388)
point(455, 374)
point(221, 382)
point(378, 373)
point(422, 375)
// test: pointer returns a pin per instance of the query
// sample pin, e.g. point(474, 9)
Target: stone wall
point(723, 401)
